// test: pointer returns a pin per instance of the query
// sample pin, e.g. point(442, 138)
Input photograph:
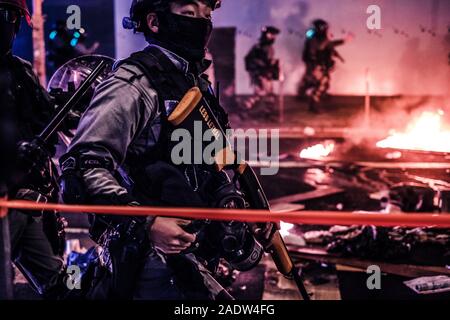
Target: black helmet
point(140, 8)
point(320, 25)
point(270, 29)
point(21, 5)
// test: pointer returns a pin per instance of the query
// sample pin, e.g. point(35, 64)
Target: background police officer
point(319, 55)
point(262, 67)
point(26, 110)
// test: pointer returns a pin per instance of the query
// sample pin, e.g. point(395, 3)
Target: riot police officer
point(319, 55)
point(26, 110)
point(262, 67)
point(119, 155)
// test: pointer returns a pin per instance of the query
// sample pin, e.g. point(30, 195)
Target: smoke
point(407, 56)
point(401, 57)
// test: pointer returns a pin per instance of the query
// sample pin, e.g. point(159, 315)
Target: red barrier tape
point(299, 217)
point(3, 210)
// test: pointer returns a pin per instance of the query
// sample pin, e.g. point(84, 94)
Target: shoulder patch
point(127, 72)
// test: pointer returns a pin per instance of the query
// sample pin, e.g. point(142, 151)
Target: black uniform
point(263, 68)
point(8, 132)
point(319, 55)
point(30, 109)
point(260, 63)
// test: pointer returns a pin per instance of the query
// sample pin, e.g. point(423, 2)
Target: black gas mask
point(230, 240)
point(185, 36)
point(9, 25)
point(265, 41)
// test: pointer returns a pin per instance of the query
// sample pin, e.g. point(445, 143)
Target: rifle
point(37, 150)
point(331, 53)
point(55, 123)
point(193, 108)
point(6, 161)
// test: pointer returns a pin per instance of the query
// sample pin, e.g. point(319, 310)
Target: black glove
point(73, 189)
point(34, 168)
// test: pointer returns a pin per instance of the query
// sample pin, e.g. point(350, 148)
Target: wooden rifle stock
point(255, 195)
point(277, 248)
point(196, 108)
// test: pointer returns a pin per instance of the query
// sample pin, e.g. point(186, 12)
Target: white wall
point(126, 41)
point(417, 64)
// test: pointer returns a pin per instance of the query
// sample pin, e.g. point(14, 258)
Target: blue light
point(53, 34)
point(74, 42)
point(77, 34)
point(310, 33)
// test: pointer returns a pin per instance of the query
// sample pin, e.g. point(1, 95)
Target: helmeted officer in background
point(65, 45)
point(262, 67)
point(36, 237)
point(119, 154)
point(320, 56)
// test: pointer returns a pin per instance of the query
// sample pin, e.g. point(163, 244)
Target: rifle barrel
point(298, 278)
point(76, 97)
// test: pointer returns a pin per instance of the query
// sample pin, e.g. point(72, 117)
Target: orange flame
point(426, 133)
point(285, 227)
point(318, 151)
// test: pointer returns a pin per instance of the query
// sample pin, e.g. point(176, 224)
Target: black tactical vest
point(32, 105)
point(171, 84)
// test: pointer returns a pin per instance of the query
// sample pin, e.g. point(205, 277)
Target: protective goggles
point(9, 15)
